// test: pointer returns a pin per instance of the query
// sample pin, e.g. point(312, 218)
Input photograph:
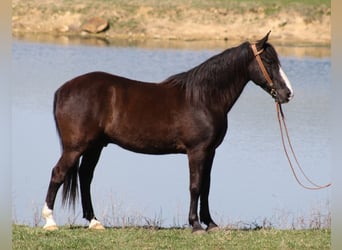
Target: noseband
point(263, 69)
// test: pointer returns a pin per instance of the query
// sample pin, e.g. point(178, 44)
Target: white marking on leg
point(95, 224)
point(287, 82)
point(48, 216)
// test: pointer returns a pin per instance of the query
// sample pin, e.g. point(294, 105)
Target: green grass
point(241, 5)
point(25, 237)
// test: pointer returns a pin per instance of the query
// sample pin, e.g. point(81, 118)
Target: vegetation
point(25, 237)
point(303, 21)
point(213, 3)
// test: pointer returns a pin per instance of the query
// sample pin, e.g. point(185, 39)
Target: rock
point(95, 25)
point(63, 28)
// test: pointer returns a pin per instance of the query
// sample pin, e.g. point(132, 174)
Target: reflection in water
point(297, 50)
point(250, 180)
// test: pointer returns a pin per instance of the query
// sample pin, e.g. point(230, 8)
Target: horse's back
point(100, 90)
point(93, 81)
point(101, 105)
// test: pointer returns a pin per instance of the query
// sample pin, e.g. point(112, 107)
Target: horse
point(186, 113)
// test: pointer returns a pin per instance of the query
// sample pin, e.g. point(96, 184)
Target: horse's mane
point(211, 78)
point(217, 77)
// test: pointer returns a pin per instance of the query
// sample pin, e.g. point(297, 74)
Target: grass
point(25, 237)
point(284, 230)
point(129, 7)
point(306, 7)
point(214, 3)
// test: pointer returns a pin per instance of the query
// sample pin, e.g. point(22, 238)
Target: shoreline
point(300, 50)
point(188, 21)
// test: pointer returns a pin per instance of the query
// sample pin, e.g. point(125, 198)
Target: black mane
point(214, 77)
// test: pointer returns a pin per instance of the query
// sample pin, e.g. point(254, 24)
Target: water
point(251, 179)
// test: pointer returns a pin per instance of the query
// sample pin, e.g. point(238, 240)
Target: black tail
point(70, 187)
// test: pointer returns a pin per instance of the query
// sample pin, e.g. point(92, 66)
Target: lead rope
point(281, 120)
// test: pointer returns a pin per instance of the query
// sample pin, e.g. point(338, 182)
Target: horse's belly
point(145, 146)
point(147, 140)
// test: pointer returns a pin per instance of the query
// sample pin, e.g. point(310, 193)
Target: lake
point(251, 178)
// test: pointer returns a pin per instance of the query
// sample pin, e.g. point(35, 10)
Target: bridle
point(281, 120)
point(257, 53)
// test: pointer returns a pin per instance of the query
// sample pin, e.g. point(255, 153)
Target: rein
point(281, 120)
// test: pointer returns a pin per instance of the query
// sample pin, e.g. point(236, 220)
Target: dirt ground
point(178, 21)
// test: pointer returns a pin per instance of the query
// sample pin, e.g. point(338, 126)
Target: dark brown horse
point(186, 113)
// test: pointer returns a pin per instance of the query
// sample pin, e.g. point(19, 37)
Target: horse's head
point(265, 71)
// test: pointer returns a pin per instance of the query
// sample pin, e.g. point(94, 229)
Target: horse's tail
point(70, 185)
point(55, 100)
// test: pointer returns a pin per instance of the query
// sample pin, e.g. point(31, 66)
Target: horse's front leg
point(197, 159)
point(204, 205)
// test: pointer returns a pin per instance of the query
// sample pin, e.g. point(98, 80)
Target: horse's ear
point(261, 43)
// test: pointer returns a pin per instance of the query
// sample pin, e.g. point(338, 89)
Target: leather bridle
point(281, 120)
point(257, 53)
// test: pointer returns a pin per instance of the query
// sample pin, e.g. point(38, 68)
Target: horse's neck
point(233, 92)
point(236, 81)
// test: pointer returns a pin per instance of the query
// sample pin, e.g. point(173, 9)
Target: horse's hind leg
point(67, 161)
point(86, 171)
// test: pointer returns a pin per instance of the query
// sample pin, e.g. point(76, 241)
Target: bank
point(198, 20)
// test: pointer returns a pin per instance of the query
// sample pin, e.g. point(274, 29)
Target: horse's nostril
point(290, 95)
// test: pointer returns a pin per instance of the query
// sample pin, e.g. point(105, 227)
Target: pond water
point(251, 179)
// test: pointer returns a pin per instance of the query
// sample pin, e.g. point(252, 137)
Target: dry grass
point(304, 21)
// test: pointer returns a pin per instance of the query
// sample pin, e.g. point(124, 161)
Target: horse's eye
point(268, 61)
point(271, 63)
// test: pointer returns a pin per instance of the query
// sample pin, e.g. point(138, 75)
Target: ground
point(290, 21)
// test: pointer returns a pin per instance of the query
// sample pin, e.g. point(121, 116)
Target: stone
point(95, 25)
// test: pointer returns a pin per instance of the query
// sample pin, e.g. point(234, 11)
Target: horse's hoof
point(50, 227)
point(213, 229)
point(95, 224)
point(98, 227)
point(198, 231)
